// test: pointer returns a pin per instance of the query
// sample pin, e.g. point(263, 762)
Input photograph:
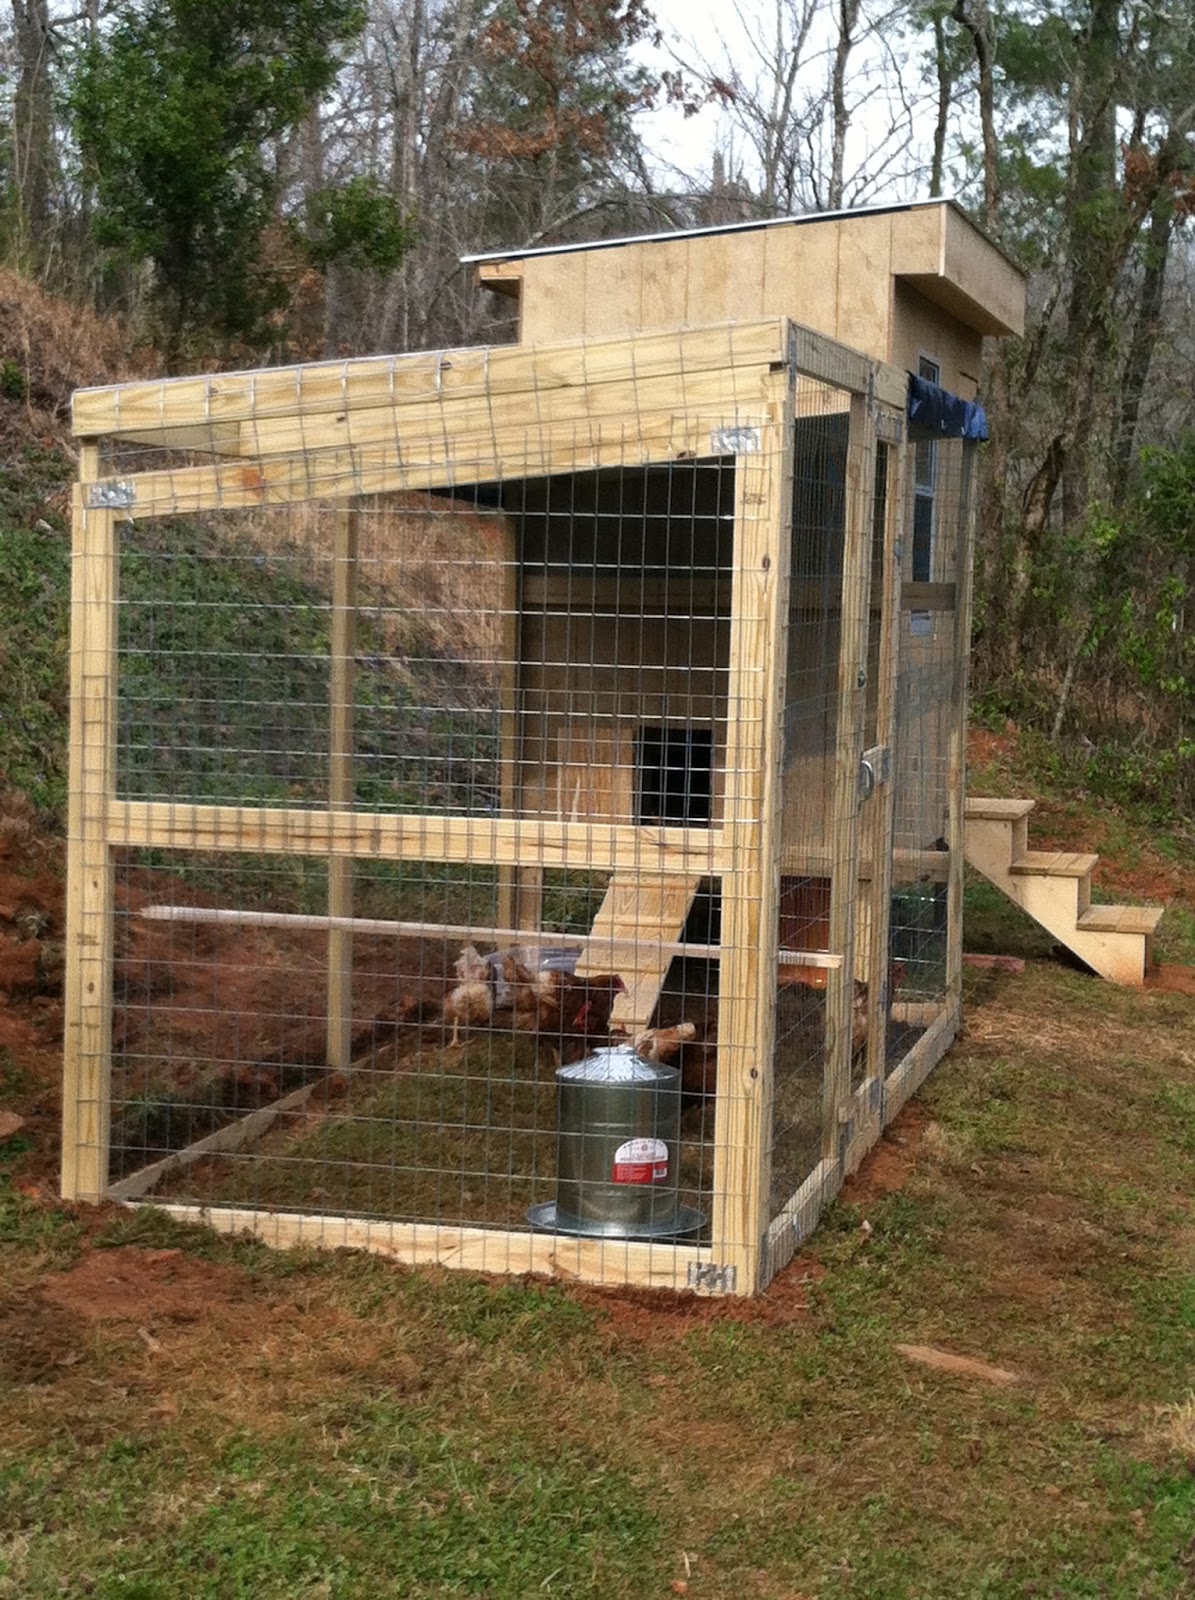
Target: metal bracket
point(713, 1277)
point(117, 494)
point(875, 768)
point(735, 442)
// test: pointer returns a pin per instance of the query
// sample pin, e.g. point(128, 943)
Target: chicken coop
point(516, 807)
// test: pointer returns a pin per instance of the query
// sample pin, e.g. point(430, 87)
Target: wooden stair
point(1054, 887)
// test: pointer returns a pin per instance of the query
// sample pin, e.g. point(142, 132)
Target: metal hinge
point(117, 494)
point(712, 1277)
point(735, 442)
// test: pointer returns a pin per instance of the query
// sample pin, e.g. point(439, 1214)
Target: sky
point(697, 28)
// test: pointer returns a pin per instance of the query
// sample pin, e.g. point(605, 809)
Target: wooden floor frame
point(342, 430)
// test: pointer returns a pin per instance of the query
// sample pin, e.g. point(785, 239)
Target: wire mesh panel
point(828, 1003)
point(432, 757)
point(925, 736)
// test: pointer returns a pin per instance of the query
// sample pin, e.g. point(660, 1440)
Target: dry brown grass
point(58, 347)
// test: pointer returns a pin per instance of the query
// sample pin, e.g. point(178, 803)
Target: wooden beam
point(87, 1063)
point(750, 929)
point(905, 1080)
point(826, 360)
point(956, 800)
point(175, 825)
point(520, 889)
point(438, 461)
point(329, 388)
point(879, 828)
point(340, 778)
point(420, 427)
point(498, 1250)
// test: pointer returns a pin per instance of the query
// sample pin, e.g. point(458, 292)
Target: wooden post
point(752, 832)
point(87, 1065)
point(879, 828)
point(957, 797)
point(520, 889)
point(846, 832)
point(340, 777)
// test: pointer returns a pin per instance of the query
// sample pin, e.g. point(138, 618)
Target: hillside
point(184, 1415)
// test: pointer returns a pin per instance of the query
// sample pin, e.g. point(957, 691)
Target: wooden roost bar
point(586, 689)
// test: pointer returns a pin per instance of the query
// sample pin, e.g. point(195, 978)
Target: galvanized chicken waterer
point(618, 1151)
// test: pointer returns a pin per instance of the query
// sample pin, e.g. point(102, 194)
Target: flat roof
point(751, 226)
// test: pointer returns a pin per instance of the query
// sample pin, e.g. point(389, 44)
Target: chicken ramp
point(637, 926)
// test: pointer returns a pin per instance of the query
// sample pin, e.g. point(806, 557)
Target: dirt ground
point(257, 995)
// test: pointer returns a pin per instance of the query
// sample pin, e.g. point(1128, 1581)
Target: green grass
point(332, 1425)
point(34, 609)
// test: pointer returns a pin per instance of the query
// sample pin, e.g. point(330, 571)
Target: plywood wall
point(893, 285)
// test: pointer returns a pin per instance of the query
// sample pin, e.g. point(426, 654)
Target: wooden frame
point(340, 431)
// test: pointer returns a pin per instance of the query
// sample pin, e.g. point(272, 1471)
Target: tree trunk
point(945, 88)
point(848, 16)
point(977, 19)
point(33, 131)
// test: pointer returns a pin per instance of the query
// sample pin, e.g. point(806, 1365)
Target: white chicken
point(471, 1003)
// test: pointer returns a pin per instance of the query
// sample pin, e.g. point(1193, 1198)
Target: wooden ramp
point(642, 916)
point(1054, 887)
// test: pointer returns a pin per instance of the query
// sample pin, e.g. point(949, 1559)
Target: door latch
point(875, 768)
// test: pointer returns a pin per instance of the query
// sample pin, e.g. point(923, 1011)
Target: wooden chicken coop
point(445, 723)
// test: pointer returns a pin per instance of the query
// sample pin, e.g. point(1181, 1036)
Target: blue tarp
point(937, 411)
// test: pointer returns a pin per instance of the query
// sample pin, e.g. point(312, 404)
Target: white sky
point(697, 29)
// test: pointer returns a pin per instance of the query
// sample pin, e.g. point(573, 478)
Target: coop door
point(876, 787)
point(674, 776)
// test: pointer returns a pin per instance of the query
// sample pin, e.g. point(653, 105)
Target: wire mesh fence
point(468, 797)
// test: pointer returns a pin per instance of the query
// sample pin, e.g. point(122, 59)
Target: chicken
point(471, 1002)
point(585, 1006)
point(662, 1044)
point(534, 996)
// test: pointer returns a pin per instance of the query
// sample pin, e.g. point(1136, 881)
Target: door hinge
point(713, 1277)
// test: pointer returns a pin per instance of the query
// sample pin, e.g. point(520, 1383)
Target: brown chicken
point(585, 1007)
point(471, 1003)
point(571, 1014)
point(534, 996)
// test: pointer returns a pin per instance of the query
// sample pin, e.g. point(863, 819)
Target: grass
point(331, 1425)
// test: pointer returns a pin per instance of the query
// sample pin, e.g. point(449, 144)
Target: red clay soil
point(887, 1165)
point(1171, 979)
point(652, 1315)
point(141, 1286)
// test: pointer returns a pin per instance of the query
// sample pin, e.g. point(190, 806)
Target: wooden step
point(1053, 864)
point(979, 810)
point(1120, 919)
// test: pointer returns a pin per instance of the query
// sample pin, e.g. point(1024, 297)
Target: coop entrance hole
point(674, 775)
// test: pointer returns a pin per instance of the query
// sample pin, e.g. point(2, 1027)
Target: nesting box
point(645, 637)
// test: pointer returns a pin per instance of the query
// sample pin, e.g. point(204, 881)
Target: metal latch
point(712, 1276)
point(875, 768)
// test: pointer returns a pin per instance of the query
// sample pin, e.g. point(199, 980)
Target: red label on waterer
point(641, 1161)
